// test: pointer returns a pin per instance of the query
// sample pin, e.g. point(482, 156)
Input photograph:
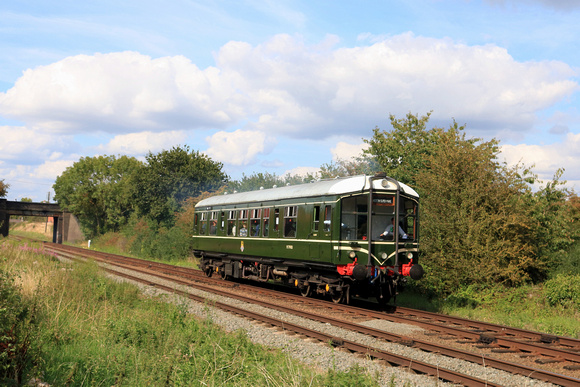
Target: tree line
point(482, 221)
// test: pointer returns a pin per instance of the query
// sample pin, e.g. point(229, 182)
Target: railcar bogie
point(330, 238)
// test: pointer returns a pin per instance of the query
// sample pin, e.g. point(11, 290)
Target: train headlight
point(352, 255)
point(410, 255)
point(384, 256)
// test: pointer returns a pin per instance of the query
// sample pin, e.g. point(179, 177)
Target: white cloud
point(239, 147)
point(547, 159)
point(50, 170)
point(346, 151)
point(115, 92)
point(306, 91)
point(135, 144)
point(284, 87)
point(563, 5)
point(28, 145)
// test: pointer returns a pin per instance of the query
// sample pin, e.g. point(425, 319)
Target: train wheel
point(208, 272)
point(305, 291)
point(337, 297)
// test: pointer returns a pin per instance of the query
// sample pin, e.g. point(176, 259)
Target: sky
point(281, 86)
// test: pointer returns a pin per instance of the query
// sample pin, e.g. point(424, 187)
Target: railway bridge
point(65, 226)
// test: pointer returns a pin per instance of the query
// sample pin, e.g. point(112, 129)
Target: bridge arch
point(65, 227)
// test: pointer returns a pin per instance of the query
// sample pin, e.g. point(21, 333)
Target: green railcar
point(336, 237)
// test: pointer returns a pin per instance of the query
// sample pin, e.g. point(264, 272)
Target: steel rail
point(496, 328)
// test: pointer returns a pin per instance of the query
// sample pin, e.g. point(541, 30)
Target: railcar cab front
point(378, 246)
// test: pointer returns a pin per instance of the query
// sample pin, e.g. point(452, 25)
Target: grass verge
point(68, 325)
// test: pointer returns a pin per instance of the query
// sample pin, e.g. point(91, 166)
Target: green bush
point(563, 290)
point(569, 263)
point(149, 240)
point(17, 329)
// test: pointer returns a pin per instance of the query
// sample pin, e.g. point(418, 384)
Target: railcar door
point(321, 234)
point(353, 229)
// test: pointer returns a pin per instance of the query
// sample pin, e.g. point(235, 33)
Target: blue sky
point(280, 86)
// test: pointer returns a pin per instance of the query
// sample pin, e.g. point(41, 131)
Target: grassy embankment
point(67, 324)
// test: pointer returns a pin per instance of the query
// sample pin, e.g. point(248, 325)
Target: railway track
point(497, 338)
point(490, 335)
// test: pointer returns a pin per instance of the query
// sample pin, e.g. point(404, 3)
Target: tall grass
point(79, 328)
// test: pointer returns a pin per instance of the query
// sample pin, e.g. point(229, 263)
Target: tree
point(556, 217)
point(480, 220)
point(402, 152)
point(255, 181)
point(3, 188)
point(476, 224)
point(98, 190)
point(355, 166)
point(170, 177)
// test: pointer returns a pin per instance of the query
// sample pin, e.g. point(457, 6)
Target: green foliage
point(402, 152)
point(3, 188)
point(168, 178)
point(569, 261)
point(17, 329)
point(363, 379)
point(261, 180)
point(98, 190)
point(556, 227)
point(563, 290)
point(476, 224)
point(144, 238)
point(289, 179)
point(363, 165)
point(254, 182)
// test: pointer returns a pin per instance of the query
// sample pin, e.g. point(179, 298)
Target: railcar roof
point(338, 186)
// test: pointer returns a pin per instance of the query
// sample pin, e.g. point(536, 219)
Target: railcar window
point(203, 217)
point(232, 223)
point(327, 218)
point(255, 215)
point(243, 223)
point(290, 221)
point(383, 213)
point(276, 220)
point(266, 227)
point(353, 224)
point(315, 218)
point(409, 218)
point(222, 221)
point(213, 223)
